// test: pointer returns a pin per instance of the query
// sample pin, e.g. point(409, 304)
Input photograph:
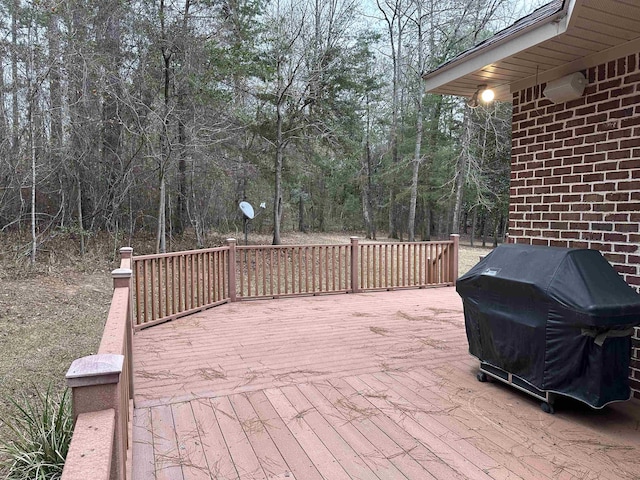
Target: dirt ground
point(54, 312)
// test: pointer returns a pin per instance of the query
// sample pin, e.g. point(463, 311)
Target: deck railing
point(171, 285)
point(168, 286)
point(102, 389)
point(269, 271)
point(175, 284)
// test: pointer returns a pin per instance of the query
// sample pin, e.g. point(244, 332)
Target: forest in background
point(159, 117)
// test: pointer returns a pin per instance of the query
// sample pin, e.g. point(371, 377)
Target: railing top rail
point(177, 254)
point(362, 242)
point(276, 247)
point(430, 242)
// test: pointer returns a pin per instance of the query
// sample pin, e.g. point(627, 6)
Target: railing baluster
point(137, 271)
point(198, 288)
point(320, 270)
point(153, 289)
point(360, 269)
point(304, 265)
point(420, 248)
point(313, 261)
point(172, 262)
point(163, 291)
point(249, 270)
point(286, 272)
point(208, 256)
point(278, 271)
point(399, 265)
point(405, 264)
point(264, 272)
point(341, 252)
point(215, 285)
point(177, 264)
point(333, 267)
point(219, 284)
point(191, 282)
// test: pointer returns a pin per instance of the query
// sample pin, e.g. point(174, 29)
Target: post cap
point(101, 369)
point(121, 273)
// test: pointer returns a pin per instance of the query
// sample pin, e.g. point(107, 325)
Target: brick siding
point(575, 172)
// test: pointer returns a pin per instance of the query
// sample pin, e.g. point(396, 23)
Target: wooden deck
point(365, 386)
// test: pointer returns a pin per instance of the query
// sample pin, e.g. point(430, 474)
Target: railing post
point(455, 238)
point(231, 243)
point(94, 383)
point(355, 287)
point(122, 278)
point(126, 255)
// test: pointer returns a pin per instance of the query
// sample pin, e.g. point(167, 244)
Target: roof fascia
point(546, 29)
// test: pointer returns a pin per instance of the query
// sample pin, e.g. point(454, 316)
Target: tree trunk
point(161, 237)
point(417, 160)
point(395, 42)
point(428, 219)
point(31, 89)
point(180, 217)
point(277, 196)
point(366, 178)
point(181, 200)
point(165, 143)
point(301, 226)
point(474, 218)
point(80, 220)
point(461, 169)
point(15, 127)
point(111, 125)
point(417, 155)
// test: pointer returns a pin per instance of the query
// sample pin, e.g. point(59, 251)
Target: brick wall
point(575, 172)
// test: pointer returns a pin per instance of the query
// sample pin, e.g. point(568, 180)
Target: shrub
point(41, 429)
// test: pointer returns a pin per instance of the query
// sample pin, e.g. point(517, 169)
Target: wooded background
point(157, 117)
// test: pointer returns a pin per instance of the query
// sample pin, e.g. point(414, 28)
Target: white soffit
point(582, 34)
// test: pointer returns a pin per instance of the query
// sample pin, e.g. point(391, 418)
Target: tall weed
point(41, 430)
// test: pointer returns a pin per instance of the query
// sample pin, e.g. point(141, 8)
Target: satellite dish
point(247, 209)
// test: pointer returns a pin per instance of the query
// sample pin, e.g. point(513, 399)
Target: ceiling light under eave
point(487, 95)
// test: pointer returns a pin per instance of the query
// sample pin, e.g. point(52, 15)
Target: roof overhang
point(562, 37)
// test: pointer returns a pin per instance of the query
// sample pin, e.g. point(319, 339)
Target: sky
point(517, 8)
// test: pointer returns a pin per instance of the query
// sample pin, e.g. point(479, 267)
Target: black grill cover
point(559, 318)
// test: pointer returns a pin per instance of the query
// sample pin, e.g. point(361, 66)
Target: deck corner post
point(121, 277)
point(231, 243)
point(94, 383)
point(355, 287)
point(126, 257)
point(455, 238)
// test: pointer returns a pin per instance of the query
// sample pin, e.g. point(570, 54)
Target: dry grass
point(468, 256)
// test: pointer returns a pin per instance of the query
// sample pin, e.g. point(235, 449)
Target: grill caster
point(481, 376)
point(547, 408)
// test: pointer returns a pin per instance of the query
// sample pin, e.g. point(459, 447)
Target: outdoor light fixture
point(482, 93)
point(487, 95)
point(566, 88)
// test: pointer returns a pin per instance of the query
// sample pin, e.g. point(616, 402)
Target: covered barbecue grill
point(551, 321)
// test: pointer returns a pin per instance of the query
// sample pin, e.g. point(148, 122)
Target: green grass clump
point(41, 430)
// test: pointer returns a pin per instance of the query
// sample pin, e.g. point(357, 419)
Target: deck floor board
point(366, 386)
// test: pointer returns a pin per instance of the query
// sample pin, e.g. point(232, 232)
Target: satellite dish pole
point(248, 214)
